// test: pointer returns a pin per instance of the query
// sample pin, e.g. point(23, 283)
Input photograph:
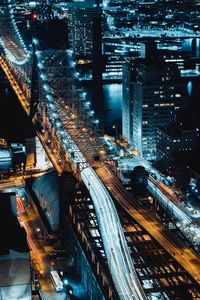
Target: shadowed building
point(83, 21)
point(153, 93)
point(15, 282)
point(176, 150)
point(6, 159)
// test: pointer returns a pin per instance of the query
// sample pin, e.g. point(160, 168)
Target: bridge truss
point(50, 122)
point(67, 129)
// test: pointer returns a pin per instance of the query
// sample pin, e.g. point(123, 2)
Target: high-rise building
point(6, 159)
point(15, 274)
point(83, 18)
point(176, 151)
point(153, 93)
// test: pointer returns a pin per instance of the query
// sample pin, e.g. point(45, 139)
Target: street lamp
point(65, 281)
point(38, 231)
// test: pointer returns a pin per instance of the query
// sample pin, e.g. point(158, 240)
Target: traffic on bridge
point(68, 130)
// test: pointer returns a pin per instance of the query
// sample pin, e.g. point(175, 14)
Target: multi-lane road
point(119, 260)
point(115, 244)
point(39, 246)
point(171, 202)
point(187, 258)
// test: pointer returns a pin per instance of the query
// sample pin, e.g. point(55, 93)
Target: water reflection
point(14, 124)
point(111, 108)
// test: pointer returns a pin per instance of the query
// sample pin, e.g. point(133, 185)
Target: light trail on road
point(13, 44)
point(119, 260)
point(187, 258)
point(170, 203)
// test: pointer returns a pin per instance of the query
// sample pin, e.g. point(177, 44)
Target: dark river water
point(112, 106)
point(15, 126)
point(108, 107)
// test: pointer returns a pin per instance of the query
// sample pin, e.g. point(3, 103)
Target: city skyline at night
point(99, 149)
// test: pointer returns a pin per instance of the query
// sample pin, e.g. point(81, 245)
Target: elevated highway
point(53, 122)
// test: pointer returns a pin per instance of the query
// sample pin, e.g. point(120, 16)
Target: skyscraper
point(82, 21)
point(153, 93)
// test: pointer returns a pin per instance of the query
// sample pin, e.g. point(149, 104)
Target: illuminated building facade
point(82, 19)
point(176, 150)
point(174, 141)
point(153, 93)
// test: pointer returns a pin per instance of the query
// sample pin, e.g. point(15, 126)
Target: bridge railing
point(100, 271)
